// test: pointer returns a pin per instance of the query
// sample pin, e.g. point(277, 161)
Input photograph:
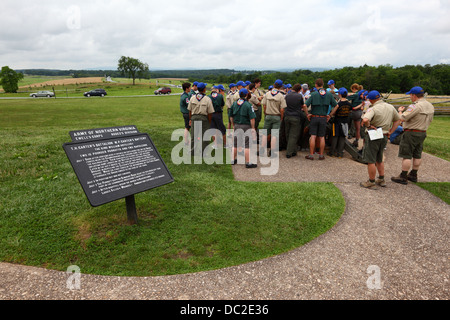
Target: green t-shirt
point(242, 112)
point(320, 102)
point(184, 102)
point(355, 99)
point(218, 101)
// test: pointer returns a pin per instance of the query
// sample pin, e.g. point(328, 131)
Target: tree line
point(385, 78)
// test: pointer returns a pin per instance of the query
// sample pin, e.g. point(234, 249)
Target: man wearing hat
point(229, 101)
point(201, 110)
point(243, 120)
point(184, 103)
point(380, 116)
point(194, 89)
point(240, 85)
point(274, 104)
point(319, 102)
point(416, 121)
point(217, 118)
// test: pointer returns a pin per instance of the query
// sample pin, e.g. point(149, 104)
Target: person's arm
point(333, 112)
point(394, 128)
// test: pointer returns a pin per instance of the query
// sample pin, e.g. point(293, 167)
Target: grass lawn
point(205, 220)
point(441, 190)
point(438, 140)
point(438, 144)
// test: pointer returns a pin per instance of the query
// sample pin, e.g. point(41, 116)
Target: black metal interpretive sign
point(122, 163)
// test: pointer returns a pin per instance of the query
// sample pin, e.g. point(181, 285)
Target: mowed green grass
point(438, 138)
point(204, 220)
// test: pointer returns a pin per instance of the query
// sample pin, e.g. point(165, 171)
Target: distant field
point(75, 87)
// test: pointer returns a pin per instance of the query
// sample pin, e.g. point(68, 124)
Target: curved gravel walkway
point(391, 243)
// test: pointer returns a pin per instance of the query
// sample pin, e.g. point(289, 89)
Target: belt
point(411, 130)
point(319, 116)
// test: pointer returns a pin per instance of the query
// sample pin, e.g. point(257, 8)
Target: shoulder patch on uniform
point(412, 107)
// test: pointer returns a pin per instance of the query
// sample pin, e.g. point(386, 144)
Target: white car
point(38, 94)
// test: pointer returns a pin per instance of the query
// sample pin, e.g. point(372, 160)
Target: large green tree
point(133, 68)
point(9, 79)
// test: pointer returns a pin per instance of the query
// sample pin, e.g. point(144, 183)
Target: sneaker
point(330, 154)
point(412, 178)
point(400, 180)
point(321, 158)
point(309, 157)
point(369, 185)
point(251, 166)
point(234, 162)
point(381, 183)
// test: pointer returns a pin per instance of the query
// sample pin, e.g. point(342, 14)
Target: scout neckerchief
point(200, 96)
point(322, 92)
point(240, 102)
point(214, 95)
point(274, 92)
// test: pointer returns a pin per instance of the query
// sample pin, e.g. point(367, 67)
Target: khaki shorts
point(272, 123)
point(374, 150)
point(242, 136)
point(411, 145)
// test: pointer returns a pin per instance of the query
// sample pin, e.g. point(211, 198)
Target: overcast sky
point(252, 34)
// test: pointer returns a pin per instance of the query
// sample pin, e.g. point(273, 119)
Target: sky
point(241, 35)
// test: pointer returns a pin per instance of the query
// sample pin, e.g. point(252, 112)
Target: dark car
point(96, 93)
point(163, 91)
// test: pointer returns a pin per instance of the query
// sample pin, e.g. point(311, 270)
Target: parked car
point(95, 93)
point(163, 91)
point(38, 94)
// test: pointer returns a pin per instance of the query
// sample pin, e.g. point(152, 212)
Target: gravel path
point(391, 243)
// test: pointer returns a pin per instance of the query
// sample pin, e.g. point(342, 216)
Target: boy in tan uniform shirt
point(274, 103)
point(200, 111)
point(416, 121)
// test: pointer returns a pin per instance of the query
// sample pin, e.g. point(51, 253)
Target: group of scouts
point(307, 117)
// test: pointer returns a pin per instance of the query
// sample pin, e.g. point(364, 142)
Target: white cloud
point(251, 34)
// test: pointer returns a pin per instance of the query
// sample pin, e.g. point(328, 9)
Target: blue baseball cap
point(331, 82)
point(270, 87)
point(416, 90)
point(195, 83)
point(279, 82)
point(343, 91)
point(201, 86)
point(221, 87)
point(232, 85)
point(241, 84)
point(248, 83)
point(373, 95)
point(243, 91)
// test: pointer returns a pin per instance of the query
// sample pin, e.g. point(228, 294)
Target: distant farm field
point(61, 82)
